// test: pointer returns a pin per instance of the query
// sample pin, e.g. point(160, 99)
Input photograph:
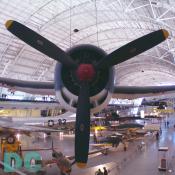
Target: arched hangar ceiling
point(108, 24)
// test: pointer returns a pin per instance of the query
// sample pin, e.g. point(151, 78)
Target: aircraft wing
point(6, 103)
point(33, 87)
point(30, 124)
point(133, 92)
point(68, 116)
point(15, 127)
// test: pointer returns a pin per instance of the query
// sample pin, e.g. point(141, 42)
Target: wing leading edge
point(133, 92)
point(33, 87)
point(15, 127)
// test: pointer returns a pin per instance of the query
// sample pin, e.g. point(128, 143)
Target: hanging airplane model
point(9, 128)
point(84, 78)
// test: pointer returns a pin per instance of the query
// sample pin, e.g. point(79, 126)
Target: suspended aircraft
point(84, 78)
point(9, 128)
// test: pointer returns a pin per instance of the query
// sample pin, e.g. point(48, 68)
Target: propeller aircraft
point(84, 78)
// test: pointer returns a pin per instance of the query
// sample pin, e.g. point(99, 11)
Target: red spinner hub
point(85, 72)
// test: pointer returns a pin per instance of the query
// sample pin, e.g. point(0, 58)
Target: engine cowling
point(67, 84)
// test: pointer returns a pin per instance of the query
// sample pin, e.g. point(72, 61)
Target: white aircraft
point(9, 127)
point(27, 125)
point(84, 78)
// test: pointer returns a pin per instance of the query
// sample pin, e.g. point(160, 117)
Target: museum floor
point(139, 162)
point(119, 162)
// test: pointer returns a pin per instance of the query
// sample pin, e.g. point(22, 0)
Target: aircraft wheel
point(11, 139)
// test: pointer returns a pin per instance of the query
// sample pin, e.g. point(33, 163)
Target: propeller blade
point(39, 43)
point(82, 128)
point(132, 49)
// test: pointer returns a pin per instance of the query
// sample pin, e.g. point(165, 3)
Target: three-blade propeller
point(85, 73)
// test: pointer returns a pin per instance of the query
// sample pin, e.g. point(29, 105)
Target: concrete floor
point(118, 161)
